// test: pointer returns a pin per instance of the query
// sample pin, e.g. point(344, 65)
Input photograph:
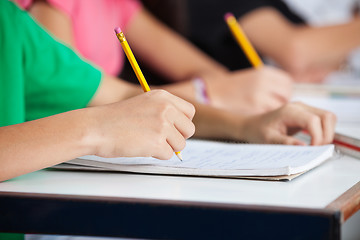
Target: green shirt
point(39, 76)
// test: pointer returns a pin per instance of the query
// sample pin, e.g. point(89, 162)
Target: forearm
point(38, 144)
point(166, 51)
point(112, 90)
point(327, 46)
point(297, 48)
point(54, 21)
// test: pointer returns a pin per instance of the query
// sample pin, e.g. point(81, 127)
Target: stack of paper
point(218, 159)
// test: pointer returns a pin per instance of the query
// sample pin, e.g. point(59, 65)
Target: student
point(40, 77)
point(88, 28)
point(307, 53)
point(44, 95)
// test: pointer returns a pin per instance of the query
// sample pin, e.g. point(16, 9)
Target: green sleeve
point(11, 236)
point(54, 78)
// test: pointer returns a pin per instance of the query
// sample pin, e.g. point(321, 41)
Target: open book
point(219, 159)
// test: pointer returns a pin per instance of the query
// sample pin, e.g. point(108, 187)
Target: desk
point(313, 206)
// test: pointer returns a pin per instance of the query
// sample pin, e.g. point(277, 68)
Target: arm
point(252, 91)
point(166, 51)
point(51, 19)
point(104, 131)
point(275, 127)
point(246, 92)
point(163, 49)
point(300, 48)
point(112, 90)
point(219, 123)
point(27, 147)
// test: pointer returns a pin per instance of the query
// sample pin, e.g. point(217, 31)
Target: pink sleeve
point(128, 9)
point(24, 3)
point(66, 6)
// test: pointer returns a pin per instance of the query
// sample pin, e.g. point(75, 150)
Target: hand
point(250, 91)
point(153, 124)
point(315, 75)
point(277, 127)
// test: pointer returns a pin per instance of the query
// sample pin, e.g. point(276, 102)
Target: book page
point(347, 110)
point(209, 155)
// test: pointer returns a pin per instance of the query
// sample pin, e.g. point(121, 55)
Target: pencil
point(243, 41)
point(140, 76)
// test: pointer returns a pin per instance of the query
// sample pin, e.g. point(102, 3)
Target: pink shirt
point(93, 24)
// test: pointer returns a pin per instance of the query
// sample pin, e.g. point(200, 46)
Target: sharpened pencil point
point(178, 154)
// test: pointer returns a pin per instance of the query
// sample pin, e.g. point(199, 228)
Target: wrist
point(201, 92)
point(214, 83)
point(251, 129)
point(89, 137)
point(240, 128)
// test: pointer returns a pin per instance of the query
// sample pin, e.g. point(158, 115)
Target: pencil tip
point(178, 154)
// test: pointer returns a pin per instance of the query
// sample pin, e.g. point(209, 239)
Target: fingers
point(282, 91)
point(155, 123)
point(274, 101)
point(183, 125)
point(180, 128)
point(314, 127)
point(179, 116)
point(163, 151)
point(315, 75)
point(175, 140)
point(281, 83)
point(185, 107)
point(278, 138)
point(319, 123)
point(176, 124)
point(165, 148)
point(275, 87)
point(327, 121)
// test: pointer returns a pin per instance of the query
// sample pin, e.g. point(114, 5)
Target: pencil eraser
point(227, 15)
point(117, 30)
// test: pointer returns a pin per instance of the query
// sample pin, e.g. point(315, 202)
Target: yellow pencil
point(243, 41)
point(120, 35)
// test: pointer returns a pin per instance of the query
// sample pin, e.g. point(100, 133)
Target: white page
point(218, 156)
point(347, 110)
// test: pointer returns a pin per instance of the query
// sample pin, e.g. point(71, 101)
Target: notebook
point(218, 159)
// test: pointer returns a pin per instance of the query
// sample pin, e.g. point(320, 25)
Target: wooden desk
point(312, 206)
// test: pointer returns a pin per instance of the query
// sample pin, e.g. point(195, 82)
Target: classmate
point(307, 53)
point(43, 95)
point(88, 28)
